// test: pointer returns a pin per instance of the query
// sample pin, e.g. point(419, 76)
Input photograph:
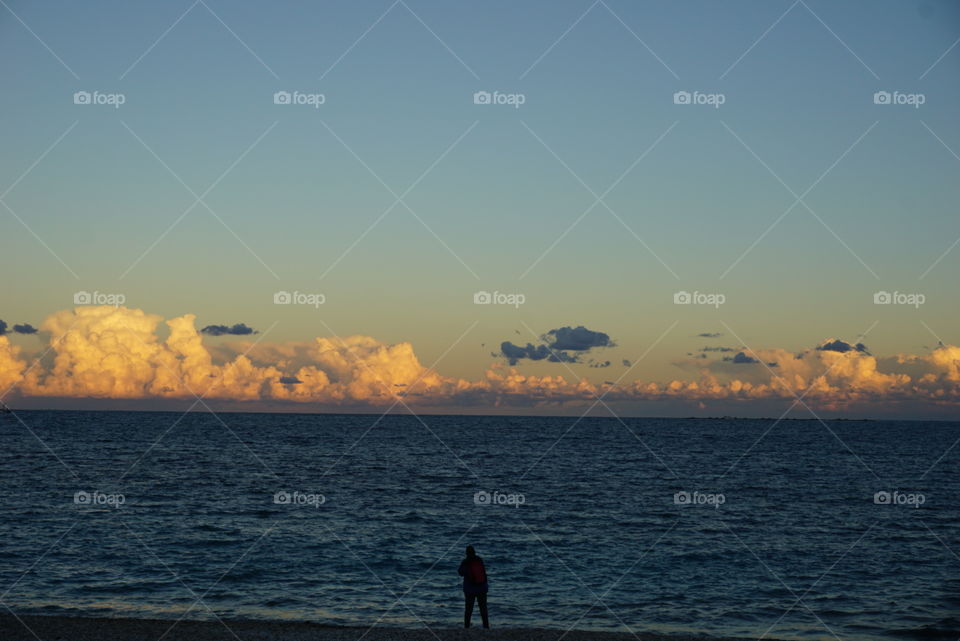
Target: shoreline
point(442, 413)
point(16, 627)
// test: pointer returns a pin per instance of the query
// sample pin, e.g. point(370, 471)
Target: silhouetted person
point(474, 575)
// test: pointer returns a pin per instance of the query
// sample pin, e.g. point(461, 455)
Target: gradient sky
point(598, 80)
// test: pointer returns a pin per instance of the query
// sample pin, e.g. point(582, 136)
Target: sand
point(58, 628)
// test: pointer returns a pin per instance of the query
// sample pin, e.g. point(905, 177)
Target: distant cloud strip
point(25, 328)
point(111, 352)
point(239, 329)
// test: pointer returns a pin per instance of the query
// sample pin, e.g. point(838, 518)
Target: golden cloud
point(117, 353)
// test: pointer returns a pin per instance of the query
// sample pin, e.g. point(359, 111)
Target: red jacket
point(467, 572)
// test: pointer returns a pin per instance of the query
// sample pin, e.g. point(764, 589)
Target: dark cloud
point(626, 363)
point(26, 328)
point(514, 353)
point(290, 380)
point(556, 345)
point(239, 329)
point(577, 339)
point(718, 349)
point(838, 345)
point(710, 335)
point(741, 359)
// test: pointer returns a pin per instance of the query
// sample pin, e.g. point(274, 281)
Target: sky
point(590, 163)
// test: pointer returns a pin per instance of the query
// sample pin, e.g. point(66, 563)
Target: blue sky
point(497, 190)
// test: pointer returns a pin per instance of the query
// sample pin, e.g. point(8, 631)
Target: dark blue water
point(783, 536)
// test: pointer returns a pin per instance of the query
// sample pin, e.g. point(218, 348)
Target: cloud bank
point(119, 353)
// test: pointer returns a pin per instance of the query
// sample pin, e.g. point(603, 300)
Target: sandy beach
point(58, 628)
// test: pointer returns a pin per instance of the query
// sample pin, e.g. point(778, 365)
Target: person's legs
point(482, 600)
point(468, 608)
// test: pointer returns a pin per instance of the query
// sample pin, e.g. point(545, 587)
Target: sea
point(791, 529)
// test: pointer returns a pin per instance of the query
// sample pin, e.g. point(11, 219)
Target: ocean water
point(350, 520)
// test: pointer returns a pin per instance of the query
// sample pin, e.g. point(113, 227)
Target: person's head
point(471, 552)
